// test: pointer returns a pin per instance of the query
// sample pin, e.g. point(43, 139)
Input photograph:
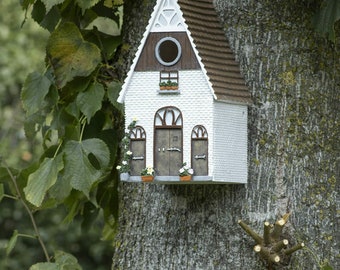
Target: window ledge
point(172, 179)
point(168, 91)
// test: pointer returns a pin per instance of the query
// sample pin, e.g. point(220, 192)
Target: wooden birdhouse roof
point(213, 48)
point(201, 22)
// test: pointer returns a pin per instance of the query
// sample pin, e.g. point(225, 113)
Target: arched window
point(168, 117)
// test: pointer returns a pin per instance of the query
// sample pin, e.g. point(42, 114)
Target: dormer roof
point(201, 22)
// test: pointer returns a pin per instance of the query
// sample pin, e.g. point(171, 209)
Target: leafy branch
point(73, 105)
point(29, 212)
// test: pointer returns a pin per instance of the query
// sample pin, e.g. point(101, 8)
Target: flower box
point(168, 88)
point(169, 85)
point(147, 178)
point(185, 178)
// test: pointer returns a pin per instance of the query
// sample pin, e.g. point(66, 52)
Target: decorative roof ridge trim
point(168, 18)
point(127, 80)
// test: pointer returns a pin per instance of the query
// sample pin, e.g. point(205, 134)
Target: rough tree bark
point(294, 131)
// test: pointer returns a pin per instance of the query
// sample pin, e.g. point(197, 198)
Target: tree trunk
point(294, 131)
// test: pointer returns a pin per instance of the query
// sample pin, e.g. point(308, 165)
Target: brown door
point(138, 156)
point(137, 147)
point(199, 158)
point(168, 151)
point(199, 150)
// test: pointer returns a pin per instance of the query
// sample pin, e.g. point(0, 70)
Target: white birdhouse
point(187, 92)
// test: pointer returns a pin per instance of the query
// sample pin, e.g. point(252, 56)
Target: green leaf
point(66, 261)
point(108, 43)
point(108, 233)
point(42, 179)
point(26, 3)
point(70, 54)
point(2, 192)
point(86, 4)
point(90, 214)
point(61, 189)
point(34, 91)
point(50, 3)
point(113, 90)
point(4, 175)
point(30, 124)
point(62, 119)
point(87, 18)
point(38, 11)
point(90, 101)
point(104, 10)
point(72, 88)
point(12, 242)
point(73, 203)
point(325, 19)
point(51, 19)
point(80, 171)
point(73, 110)
point(326, 267)
point(45, 266)
point(107, 198)
point(63, 261)
point(23, 175)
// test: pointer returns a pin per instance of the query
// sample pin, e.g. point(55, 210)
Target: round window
point(168, 51)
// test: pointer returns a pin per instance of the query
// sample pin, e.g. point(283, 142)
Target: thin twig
point(28, 210)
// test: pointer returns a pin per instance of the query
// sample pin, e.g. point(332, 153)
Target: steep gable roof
point(202, 24)
point(215, 53)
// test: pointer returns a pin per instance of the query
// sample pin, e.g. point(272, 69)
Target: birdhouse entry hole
point(168, 51)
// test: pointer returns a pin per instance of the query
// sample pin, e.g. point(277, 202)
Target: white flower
point(118, 167)
point(129, 153)
point(135, 119)
point(191, 171)
point(181, 170)
point(124, 162)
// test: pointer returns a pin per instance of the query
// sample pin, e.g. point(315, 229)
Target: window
point(168, 80)
point(168, 51)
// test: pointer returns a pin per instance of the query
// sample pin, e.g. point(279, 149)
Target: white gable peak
point(168, 18)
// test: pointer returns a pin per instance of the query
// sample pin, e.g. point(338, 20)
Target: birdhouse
point(186, 90)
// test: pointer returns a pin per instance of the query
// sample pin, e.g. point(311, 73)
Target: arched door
point(168, 155)
point(137, 147)
point(199, 150)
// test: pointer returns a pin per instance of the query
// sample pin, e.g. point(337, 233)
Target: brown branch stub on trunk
point(272, 247)
point(266, 233)
point(258, 239)
point(280, 245)
point(293, 249)
point(267, 254)
point(278, 227)
point(257, 248)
